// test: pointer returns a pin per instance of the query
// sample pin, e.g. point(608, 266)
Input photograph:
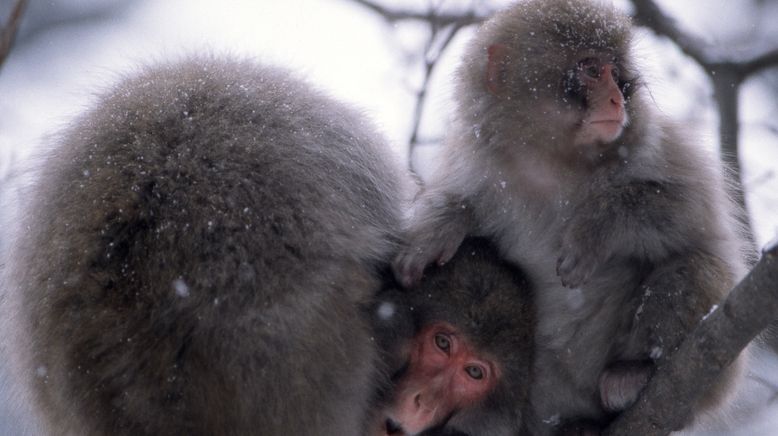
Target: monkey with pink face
point(458, 346)
point(624, 226)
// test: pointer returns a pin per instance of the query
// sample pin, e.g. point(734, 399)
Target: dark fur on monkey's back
point(199, 245)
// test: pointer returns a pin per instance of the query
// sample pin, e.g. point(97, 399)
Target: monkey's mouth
point(607, 130)
point(614, 122)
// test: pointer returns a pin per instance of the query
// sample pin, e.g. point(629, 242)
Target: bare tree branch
point(8, 32)
point(767, 60)
point(443, 29)
point(439, 19)
point(431, 59)
point(726, 88)
point(648, 14)
point(681, 380)
point(727, 75)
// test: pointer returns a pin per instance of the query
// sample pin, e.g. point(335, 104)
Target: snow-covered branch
point(666, 402)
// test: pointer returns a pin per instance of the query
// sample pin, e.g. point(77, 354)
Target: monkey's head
point(551, 74)
point(466, 368)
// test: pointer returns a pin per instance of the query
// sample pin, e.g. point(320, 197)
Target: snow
point(181, 288)
point(52, 75)
point(713, 308)
point(553, 420)
point(41, 371)
point(386, 310)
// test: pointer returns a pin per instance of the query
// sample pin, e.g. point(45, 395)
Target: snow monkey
point(623, 225)
point(462, 367)
point(197, 255)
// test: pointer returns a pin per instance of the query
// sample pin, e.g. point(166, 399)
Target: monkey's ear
point(496, 68)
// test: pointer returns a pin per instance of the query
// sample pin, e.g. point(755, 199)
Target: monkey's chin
point(607, 131)
point(599, 133)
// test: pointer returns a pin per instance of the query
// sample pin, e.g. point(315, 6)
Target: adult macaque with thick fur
point(623, 226)
point(464, 366)
point(196, 258)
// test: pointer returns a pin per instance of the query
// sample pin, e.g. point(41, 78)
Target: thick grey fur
point(196, 255)
point(627, 245)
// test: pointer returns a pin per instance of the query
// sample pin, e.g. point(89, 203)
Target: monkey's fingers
point(448, 251)
point(573, 270)
point(565, 266)
point(409, 267)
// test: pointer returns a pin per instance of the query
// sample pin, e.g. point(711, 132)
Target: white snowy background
point(69, 49)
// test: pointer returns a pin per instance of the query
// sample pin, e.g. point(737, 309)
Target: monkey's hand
point(435, 245)
point(582, 253)
point(436, 231)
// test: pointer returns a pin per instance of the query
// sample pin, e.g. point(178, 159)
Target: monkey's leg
point(672, 300)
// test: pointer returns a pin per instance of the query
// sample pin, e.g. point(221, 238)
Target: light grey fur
point(195, 258)
point(641, 229)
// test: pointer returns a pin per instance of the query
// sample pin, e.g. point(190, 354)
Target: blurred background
point(710, 64)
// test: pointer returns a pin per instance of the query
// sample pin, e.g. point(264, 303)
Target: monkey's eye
point(443, 342)
point(475, 372)
point(616, 73)
point(590, 67)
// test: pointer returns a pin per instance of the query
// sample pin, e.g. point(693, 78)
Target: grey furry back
point(197, 249)
point(212, 124)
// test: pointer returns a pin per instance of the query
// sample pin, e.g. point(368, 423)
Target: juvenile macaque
point(463, 368)
point(623, 226)
point(196, 258)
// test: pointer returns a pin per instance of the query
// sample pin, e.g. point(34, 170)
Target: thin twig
point(430, 61)
point(8, 32)
point(439, 19)
point(767, 60)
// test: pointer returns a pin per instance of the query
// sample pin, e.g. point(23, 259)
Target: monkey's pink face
point(597, 83)
point(592, 108)
point(445, 374)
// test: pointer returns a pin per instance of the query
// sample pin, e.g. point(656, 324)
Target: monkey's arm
point(645, 220)
point(439, 223)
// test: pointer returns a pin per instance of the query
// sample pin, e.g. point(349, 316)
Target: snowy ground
point(348, 51)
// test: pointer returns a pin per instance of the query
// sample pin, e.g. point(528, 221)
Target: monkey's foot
point(621, 384)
